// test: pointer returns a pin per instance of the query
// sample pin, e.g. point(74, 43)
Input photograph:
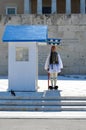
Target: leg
point(55, 80)
point(51, 78)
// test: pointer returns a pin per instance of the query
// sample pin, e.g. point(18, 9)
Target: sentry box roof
point(25, 33)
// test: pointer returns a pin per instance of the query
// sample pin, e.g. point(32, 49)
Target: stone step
point(43, 108)
point(42, 102)
point(38, 95)
point(42, 97)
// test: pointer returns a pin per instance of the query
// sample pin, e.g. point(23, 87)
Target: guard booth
point(23, 55)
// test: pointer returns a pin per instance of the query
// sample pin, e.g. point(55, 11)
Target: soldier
point(53, 65)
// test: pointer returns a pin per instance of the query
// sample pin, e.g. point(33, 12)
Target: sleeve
point(60, 61)
point(47, 62)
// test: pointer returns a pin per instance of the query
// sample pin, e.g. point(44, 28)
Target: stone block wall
point(3, 59)
point(72, 30)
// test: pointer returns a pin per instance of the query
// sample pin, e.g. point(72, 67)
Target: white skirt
point(54, 68)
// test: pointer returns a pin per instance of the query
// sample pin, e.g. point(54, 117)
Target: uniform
point(53, 68)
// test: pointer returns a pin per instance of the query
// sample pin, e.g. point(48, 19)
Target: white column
point(68, 6)
point(82, 6)
point(26, 6)
point(54, 6)
point(39, 6)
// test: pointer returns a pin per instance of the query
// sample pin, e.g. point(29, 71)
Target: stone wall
point(72, 30)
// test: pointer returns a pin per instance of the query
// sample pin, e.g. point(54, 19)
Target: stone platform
point(69, 101)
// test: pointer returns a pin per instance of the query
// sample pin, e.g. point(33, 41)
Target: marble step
point(39, 95)
point(42, 98)
point(43, 108)
point(42, 102)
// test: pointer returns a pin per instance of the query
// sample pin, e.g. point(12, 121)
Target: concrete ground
point(68, 86)
point(42, 124)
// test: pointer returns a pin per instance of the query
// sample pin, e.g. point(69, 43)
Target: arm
point(60, 61)
point(47, 63)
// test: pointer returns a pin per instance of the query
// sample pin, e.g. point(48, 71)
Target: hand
point(48, 69)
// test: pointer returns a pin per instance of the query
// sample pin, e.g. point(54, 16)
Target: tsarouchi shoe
point(56, 87)
point(50, 87)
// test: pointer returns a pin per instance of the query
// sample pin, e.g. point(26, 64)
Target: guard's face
point(53, 48)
